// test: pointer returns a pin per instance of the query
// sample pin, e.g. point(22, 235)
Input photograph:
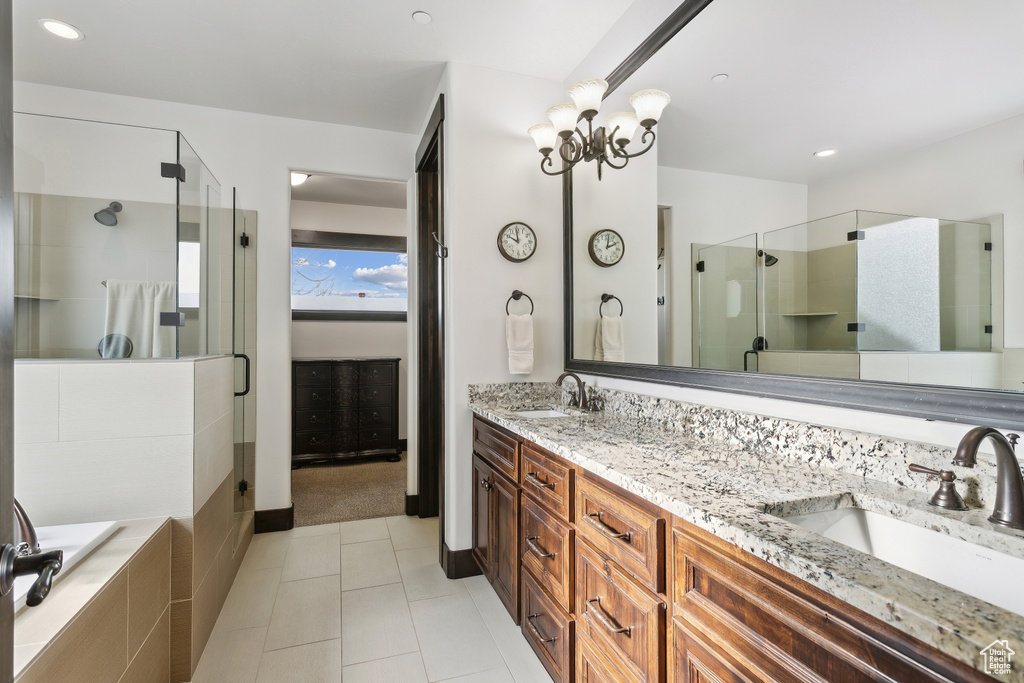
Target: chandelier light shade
point(603, 144)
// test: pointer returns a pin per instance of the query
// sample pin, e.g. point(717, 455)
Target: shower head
point(769, 260)
point(108, 216)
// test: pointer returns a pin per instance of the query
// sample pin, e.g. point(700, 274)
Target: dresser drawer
point(344, 374)
point(594, 666)
point(497, 447)
point(548, 481)
point(312, 398)
point(311, 442)
point(375, 417)
point(548, 629)
point(375, 395)
point(346, 397)
point(622, 617)
point(345, 419)
point(547, 544)
point(312, 374)
point(345, 441)
point(370, 439)
point(312, 420)
point(376, 373)
point(625, 532)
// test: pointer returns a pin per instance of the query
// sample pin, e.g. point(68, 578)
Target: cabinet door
point(505, 542)
point(699, 662)
point(482, 478)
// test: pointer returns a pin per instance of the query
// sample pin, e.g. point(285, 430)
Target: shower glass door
point(727, 303)
point(244, 347)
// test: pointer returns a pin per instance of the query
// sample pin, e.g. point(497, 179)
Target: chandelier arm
point(546, 161)
point(608, 160)
point(576, 150)
point(643, 138)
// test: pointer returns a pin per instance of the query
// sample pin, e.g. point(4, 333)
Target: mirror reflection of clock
point(606, 247)
point(517, 242)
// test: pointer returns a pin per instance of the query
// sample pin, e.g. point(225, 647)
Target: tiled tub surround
point(722, 470)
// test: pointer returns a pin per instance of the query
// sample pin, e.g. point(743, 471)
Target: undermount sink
point(984, 573)
point(541, 414)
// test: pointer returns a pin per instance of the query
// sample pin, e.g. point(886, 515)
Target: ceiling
point(389, 194)
point(873, 79)
point(357, 62)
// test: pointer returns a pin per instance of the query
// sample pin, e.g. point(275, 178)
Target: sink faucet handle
point(947, 497)
point(1012, 438)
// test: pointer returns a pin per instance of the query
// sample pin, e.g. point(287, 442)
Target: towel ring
point(517, 295)
point(605, 298)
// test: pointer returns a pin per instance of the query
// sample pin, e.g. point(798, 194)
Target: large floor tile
point(377, 624)
point(364, 530)
point(231, 656)
point(303, 531)
point(313, 663)
point(493, 676)
point(405, 668)
point(413, 532)
point(454, 640)
point(266, 551)
point(312, 556)
point(522, 662)
point(306, 611)
point(250, 602)
point(422, 575)
point(372, 563)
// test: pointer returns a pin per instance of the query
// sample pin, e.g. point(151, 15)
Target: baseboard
point(281, 519)
point(458, 564)
point(403, 445)
point(412, 505)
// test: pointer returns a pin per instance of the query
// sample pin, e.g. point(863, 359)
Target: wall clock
point(606, 247)
point(517, 242)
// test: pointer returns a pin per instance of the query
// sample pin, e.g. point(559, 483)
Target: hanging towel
point(519, 335)
point(608, 343)
point(133, 309)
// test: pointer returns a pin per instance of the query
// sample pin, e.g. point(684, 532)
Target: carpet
point(324, 494)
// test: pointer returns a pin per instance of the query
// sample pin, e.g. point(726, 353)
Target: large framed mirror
point(878, 277)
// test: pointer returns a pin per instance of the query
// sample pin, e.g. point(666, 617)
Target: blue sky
point(341, 273)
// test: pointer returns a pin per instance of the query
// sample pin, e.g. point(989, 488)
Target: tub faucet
point(1009, 506)
point(26, 542)
point(582, 403)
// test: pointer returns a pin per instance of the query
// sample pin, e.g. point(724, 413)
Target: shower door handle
point(244, 391)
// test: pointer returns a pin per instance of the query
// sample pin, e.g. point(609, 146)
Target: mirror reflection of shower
point(769, 260)
point(108, 216)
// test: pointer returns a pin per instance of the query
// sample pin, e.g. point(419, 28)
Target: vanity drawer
point(312, 420)
point(497, 447)
point(375, 396)
point(622, 617)
point(310, 375)
point(375, 417)
point(548, 481)
point(548, 629)
point(311, 442)
point(625, 532)
point(343, 374)
point(547, 544)
point(370, 439)
point(596, 666)
point(376, 373)
point(312, 398)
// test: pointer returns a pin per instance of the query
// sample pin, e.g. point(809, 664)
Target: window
point(344, 276)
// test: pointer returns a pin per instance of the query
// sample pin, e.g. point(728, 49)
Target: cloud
point(301, 261)
point(394, 277)
point(331, 263)
point(367, 294)
point(304, 262)
point(403, 258)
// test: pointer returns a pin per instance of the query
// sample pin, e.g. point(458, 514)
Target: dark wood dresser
point(344, 408)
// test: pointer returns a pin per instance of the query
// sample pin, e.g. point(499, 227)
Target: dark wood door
point(482, 478)
point(505, 542)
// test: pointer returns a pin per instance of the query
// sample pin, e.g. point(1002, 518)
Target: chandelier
point(604, 144)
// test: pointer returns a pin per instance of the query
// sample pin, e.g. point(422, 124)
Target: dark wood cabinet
point(344, 408)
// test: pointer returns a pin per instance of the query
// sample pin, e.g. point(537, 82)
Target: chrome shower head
point(769, 260)
point(108, 216)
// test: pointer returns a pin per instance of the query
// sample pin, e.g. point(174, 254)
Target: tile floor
point(363, 602)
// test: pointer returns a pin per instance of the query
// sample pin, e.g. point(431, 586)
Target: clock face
point(606, 247)
point(517, 242)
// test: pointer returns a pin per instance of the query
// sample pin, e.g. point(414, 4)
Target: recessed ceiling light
point(421, 17)
point(825, 153)
point(299, 178)
point(61, 29)
point(720, 78)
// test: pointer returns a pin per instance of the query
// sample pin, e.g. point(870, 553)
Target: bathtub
point(76, 540)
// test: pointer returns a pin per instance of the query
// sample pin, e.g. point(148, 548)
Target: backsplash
point(768, 439)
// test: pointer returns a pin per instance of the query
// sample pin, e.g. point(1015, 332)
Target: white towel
point(133, 309)
point(608, 343)
point(519, 335)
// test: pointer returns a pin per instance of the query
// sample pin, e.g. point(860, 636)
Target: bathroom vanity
point(650, 542)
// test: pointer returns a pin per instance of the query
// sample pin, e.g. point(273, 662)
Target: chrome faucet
point(582, 402)
point(1009, 506)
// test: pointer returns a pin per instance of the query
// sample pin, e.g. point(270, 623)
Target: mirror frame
point(1002, 409)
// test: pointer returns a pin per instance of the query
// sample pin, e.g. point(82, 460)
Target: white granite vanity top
point(725, 485)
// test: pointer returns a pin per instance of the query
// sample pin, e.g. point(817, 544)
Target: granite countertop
point(731, 489)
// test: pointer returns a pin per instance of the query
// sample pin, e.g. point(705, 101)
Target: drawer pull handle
point(536, 549)
point(538, 482)
point(536, 631)
point(603, 620)
point(314, 442)
point(595, 519)
point(374, 374)
point(486, 484)
point(312, 420)
point(316, 397)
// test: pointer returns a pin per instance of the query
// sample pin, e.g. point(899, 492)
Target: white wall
point(492, 178)
point(254, 153)
point(345, 339)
